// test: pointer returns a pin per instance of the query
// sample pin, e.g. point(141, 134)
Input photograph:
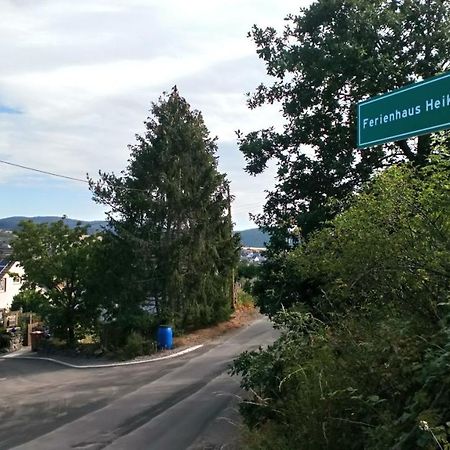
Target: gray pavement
point(179, 403)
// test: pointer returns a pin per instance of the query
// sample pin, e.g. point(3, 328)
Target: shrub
point(114, 335)
point(244, 298)
point(134, 346)
point(362, 361)
point(365, 383)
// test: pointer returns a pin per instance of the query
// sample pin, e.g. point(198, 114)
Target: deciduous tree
point(57, 261)
point(329, 57)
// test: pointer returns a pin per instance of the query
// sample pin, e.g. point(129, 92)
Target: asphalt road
point(183, 403)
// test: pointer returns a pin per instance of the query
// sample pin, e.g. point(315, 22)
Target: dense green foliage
point(391, 246)
point(58, 262)
point(247, 270)
point(29, 300)
point(246, 274)
point(171, 236)
point(328, 57)
point(362, 362)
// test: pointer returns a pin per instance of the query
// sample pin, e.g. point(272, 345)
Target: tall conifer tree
point(169, 219)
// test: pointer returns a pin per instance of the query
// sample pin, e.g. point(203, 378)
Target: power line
point(53, 174)
point(43, 171)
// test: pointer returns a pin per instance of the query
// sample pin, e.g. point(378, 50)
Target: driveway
point(172, 404)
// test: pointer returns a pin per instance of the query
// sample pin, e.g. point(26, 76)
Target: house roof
point(5, 265)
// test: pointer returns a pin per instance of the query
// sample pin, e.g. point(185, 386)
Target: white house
point(11, 275)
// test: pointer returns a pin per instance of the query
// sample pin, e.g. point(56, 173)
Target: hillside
point(253, 237)
point(11, 223)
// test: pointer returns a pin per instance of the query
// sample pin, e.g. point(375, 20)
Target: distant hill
point(253, 237)
point(12, 223)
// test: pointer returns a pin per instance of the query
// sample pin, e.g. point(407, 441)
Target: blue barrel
point(165, 337)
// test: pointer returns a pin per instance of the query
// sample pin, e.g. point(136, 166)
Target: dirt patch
point(240, 318)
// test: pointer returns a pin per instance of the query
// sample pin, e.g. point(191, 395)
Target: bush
point(244, 298)
point(391, 244)
point(365, 383)
point(30, 300)
point(134, 346)
point(247, 270)
point(115, 334)
point(362, 361)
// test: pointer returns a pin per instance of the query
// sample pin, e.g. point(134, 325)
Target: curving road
point(183, 403)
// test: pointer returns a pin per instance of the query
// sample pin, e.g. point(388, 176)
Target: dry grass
point(240, 318)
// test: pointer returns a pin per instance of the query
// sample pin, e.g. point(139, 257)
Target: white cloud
point(84, 73)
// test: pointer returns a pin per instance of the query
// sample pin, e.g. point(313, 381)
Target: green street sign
point(413, 110)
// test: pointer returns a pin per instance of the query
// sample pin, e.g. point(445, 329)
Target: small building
point(254, 255)
point(11, 280)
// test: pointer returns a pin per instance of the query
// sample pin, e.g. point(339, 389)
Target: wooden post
point(232, 290)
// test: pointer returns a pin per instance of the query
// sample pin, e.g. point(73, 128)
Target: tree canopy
point(390, 247)
point(362, 361)
point(328, 57)
point(58, 263)
point(169, 216)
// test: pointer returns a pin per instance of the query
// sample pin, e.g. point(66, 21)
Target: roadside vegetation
point(247, 274)
point(357, 272)
point(364, 353)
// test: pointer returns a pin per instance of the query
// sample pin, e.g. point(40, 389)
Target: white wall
point(12, 286)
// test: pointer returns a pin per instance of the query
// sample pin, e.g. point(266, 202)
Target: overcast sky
point(77, 79)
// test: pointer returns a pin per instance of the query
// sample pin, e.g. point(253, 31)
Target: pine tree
point(169, 218)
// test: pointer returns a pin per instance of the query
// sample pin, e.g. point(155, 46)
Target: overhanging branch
point(404, 147)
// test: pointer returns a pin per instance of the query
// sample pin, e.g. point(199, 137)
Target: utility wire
point(53, 174)
point(43, 171)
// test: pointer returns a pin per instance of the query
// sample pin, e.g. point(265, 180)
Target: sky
point(78, 77)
